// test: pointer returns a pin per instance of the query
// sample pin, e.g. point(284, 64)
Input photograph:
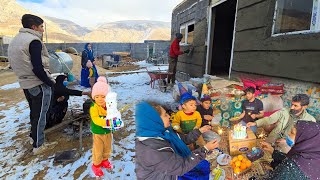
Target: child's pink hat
point(101, 87)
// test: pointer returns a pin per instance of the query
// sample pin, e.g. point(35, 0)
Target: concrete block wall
point(137, 50)
point(3, 50)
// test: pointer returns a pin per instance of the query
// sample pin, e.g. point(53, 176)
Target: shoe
point(97, 170)
point(44, 147)
point(106, 164)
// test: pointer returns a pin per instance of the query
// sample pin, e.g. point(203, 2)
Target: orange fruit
point(248, 163)
point(243, 166)
point(237, 170)
point(233, 166)
point(234, 159)
point(240, 157)
point(244, 160)
point(238, 163)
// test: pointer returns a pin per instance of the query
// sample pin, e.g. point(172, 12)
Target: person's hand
point(86, 93)
point(187, 51)
point(60, 99)
point(253, 116)
point(205, 128)
point(212, 144)
point(282, 140)
point(249, 124)
point(207, 117)
point(267, 147)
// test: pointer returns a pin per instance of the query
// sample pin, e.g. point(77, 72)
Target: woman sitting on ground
point(60, 100)
point(163, 154)
point(303, 159)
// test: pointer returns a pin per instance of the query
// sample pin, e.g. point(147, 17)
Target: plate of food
point(218, 174)
point(223, 159)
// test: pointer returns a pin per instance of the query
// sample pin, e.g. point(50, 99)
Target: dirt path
point(66, 141)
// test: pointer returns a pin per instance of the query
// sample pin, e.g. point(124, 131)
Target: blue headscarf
point(89, 52)
point(150, 124)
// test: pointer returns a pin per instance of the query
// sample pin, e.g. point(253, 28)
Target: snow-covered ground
point(131, 88)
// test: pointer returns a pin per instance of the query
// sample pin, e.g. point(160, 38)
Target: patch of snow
point(131, 88)
point(10, 86)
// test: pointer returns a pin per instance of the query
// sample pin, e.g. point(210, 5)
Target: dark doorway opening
point(223, 17)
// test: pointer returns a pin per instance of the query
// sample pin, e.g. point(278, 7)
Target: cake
point(239, 132)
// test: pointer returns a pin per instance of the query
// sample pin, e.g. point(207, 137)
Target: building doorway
point(220, 47)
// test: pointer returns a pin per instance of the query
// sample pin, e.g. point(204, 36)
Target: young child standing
point(188, 118)
point(206, 113)
point(102, 137)
point(92, 73)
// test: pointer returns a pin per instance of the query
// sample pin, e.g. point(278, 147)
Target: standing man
point(252, 109)
point(28, 56)
point(173, 56)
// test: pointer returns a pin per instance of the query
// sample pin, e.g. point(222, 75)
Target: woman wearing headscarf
point(60, 100)
point(87, 55)
point(303, 159)
point(163, 154)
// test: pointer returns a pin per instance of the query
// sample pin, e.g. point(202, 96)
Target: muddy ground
point(66, 141)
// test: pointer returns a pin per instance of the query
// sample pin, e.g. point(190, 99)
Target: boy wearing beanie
point(102, 137)
point(188, 118)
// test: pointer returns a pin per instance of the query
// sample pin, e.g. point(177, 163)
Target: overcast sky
point(92, 12)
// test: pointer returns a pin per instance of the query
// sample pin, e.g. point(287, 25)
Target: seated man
point(60, 101)
point(252, 109)
point(285, 118)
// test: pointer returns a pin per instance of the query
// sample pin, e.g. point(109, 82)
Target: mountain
point(130, 31)
point(60, 30)
point(70, 26)
point(10, 23)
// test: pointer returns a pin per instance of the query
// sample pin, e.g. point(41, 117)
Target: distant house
point(268, 37)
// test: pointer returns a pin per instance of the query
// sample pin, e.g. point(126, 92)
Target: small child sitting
point(188, 118)
point(102, 137)
point(92, 73)
point(206, 113)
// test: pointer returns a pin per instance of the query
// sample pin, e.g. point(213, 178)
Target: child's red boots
point(106, 164)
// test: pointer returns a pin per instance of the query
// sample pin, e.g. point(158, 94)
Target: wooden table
point(258, 168)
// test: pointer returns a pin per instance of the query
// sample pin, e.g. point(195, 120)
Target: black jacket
point(61, 90)
point(155, 159)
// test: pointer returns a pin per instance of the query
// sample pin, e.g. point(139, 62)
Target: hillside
point(10, 23)
point(60, 30)
point(130, 31)
point(70, 26)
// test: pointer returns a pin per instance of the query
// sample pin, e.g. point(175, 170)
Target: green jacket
point(285, 121)
point(98, 122)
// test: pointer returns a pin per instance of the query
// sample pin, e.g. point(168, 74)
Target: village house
point(278, 39)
